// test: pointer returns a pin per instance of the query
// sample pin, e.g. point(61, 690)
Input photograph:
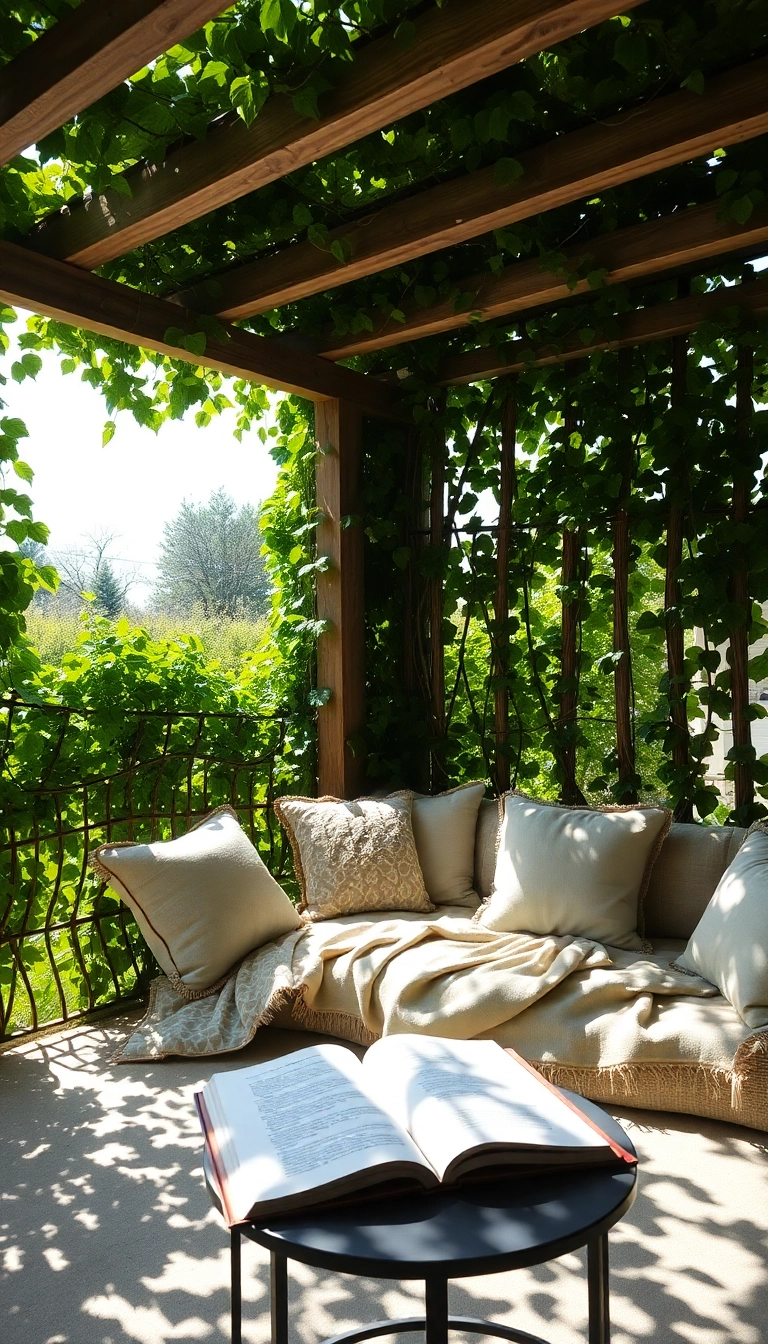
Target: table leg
point(278, 1296)
point(597, 1274)
point(436, 1295)
point(236, 1285)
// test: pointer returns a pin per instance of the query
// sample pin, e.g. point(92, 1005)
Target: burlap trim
point(96, 862)
point(349, 1026)
point(686, 1088)
point(645, 945)
point(295, 850)
point(752, 1055)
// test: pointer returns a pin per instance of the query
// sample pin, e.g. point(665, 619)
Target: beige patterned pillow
point(354, 857)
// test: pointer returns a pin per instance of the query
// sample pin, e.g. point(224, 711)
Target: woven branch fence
point(71, 779)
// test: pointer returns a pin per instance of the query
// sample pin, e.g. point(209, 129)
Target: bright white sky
point(134, 485)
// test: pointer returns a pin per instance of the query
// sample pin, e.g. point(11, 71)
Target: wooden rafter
point(83, 56)
point(56, 289)
point(647, 139)
point(678, 240)
point(656, 323)
point(453, 48)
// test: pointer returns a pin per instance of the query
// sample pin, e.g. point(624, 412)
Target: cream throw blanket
point(362, 978)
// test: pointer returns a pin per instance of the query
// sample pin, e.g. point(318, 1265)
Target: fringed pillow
point(202, 901)
point(354, 857)
point(573, 870)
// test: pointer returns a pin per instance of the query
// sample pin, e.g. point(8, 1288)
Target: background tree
point(89, 569)
point(211, 556)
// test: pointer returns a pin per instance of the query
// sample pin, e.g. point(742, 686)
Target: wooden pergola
point(97, 46)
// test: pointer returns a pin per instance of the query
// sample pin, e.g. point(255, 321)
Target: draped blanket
point(361, 978)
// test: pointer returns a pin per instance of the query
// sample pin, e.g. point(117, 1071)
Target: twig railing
point(71, 779)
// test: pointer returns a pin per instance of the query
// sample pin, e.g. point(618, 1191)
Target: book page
point(453, 1096)
point(300, 1122)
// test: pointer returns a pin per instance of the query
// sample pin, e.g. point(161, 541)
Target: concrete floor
point(106, 1234)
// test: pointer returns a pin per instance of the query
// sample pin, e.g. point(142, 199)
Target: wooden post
point(437, 649)
point(744, 787)
point(415, 596)
point(674, 625)
point(501, 602)
point(622, 677)
point(569, 670)
point(340, 597)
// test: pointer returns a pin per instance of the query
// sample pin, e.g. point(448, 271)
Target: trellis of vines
point(73, 778)
point(565, 573)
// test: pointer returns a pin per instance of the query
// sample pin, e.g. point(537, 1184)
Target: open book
point(320, 1124)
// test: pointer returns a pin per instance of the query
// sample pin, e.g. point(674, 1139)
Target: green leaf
point(631, 50)
point(694, 82)
point(195, 343)
point(506, 171)
point(305, 102)
point(108, 433)
point(23, 470)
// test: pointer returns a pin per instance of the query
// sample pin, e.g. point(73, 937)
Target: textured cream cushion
point(202, 901)
point(729, 946)
point(692, 861)
point(353, 857)
point(486, 844)
point(444, 830)
point(562, 870)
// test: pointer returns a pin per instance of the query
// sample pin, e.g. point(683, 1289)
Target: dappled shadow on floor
point(107, 1237)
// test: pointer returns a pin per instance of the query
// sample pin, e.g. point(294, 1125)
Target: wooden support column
point(437, 649)
point(569, 669)
point(674, 625)
point(340, 597)
point(744, 787)
point(507, 494)
point(622, 677)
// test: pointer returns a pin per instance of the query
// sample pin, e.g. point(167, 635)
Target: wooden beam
point(656, 323)
point(86, 54)
point(682, 239)
point(340, 599)
point(56, 289)
point(453, 47)
point(657, 135)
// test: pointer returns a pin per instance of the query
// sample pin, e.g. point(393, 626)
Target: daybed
point(614, 1025)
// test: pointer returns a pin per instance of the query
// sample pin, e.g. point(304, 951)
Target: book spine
point(209, 1136)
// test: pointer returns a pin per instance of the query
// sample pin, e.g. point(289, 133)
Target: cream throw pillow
point(202, 901)
point(444, 829)
point(573, 870)
point(729, 946)
point(354, 857)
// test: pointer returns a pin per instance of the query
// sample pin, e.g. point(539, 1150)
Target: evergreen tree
point(110, 593)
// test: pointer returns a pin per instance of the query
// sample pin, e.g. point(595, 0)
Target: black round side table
point(485, 1228)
